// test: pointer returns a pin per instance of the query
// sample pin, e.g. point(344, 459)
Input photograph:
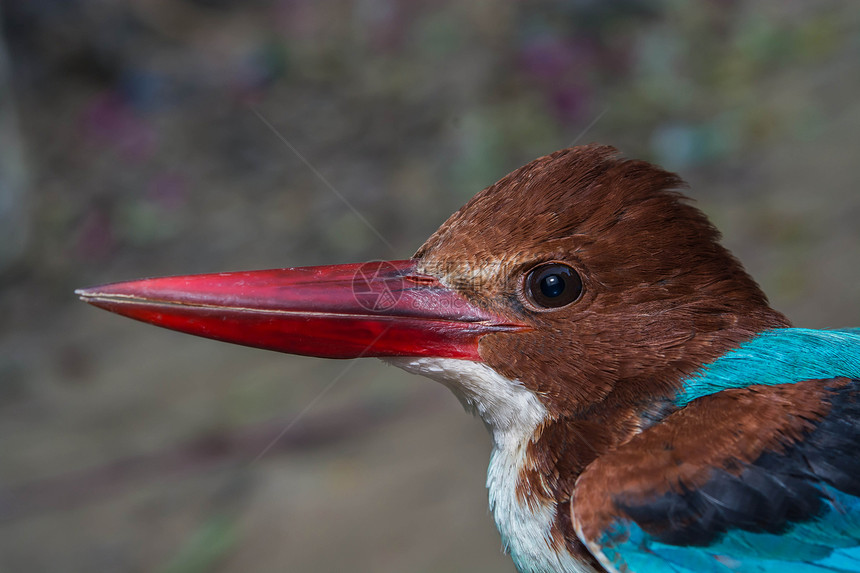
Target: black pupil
point(552, 285)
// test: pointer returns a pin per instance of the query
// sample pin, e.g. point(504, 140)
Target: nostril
point(423, 280)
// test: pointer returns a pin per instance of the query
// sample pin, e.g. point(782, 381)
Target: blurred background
point(159, 137)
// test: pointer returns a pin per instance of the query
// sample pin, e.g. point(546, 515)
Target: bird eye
point(553, 285)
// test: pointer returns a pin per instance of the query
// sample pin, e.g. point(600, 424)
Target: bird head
point(621, 284)
point(583, 279)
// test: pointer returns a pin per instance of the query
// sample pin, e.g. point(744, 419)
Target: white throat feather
point(512, 414)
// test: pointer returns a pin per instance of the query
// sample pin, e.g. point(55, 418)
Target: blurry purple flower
point(562, 69)
point(571, 103)
point(110, 122)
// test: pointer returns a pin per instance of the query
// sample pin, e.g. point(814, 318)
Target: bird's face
point(622, 285)
point(581, 276)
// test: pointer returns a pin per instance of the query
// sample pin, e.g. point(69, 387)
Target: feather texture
point(776, 357)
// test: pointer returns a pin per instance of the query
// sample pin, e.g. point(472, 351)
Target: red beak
point(337, 311)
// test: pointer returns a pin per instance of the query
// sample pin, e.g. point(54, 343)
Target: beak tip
point(87, 295)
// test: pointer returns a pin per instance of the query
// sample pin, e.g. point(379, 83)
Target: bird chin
point(510, 411)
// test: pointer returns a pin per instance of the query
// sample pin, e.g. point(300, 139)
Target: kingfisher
point(648, 409)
